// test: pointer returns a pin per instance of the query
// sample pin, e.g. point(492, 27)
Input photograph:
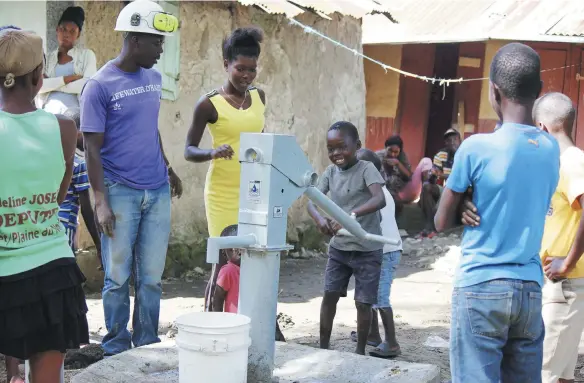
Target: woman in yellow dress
point(234, 108)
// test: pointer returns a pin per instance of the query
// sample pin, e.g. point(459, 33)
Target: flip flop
point(354, 339)
point(382, 351)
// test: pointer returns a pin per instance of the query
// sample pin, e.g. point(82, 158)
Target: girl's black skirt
point(43, 309)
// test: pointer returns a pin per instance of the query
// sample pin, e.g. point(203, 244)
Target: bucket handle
point(216, 346)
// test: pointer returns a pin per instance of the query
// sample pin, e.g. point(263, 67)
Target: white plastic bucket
point(213, 347)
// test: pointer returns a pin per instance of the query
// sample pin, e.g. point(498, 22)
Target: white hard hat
point(145, 16)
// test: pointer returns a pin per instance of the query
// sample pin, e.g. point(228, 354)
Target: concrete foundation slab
point(294, 364)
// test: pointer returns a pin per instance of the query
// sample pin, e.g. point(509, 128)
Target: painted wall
point(414, 99)
point(309, 84)
point(29, 15)
point(565, 61)
point(382, 93)
point(382, 86)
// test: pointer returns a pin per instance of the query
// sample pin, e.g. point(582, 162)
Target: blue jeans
point(389, 266)
point(137, 248)
point(497, 333)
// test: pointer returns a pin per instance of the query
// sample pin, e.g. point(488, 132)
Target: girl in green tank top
point(42, 306)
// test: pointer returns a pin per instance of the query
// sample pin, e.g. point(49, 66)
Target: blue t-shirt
point(69, 209)
point(514, 172)
point(124, 107)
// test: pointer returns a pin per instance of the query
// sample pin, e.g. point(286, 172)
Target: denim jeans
point(497, 333)
point(137, 248)
point(389, 266)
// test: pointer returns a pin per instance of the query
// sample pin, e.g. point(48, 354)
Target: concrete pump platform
point(294, 364)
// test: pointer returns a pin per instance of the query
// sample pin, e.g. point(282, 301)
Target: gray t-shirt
point(350, 189)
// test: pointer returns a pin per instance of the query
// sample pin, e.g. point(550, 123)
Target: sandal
point(383, 351)
point(354, 339)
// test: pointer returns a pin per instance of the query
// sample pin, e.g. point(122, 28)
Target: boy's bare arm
point(558, 267)
point(375, 203)
point(323, 224)
point(89, 218)
point(219, 299)
point(447, 209)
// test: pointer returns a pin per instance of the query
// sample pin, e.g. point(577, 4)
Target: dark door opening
point(441, 98)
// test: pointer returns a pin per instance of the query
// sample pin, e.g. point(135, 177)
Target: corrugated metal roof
point(426, 21)
point(355, 8)
point(570, 25)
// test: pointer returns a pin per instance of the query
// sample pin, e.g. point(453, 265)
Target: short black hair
point(244, 42)
point(516, 72)
point(365, 154)
point(556, 110)
point(229, 231)
point(395, 140)
point(347, 128)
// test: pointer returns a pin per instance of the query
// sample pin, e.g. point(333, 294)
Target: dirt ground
point(420, 297)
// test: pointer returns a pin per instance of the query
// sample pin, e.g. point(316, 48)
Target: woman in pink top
point(404, 185)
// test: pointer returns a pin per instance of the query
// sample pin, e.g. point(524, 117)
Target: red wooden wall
point(414, 99)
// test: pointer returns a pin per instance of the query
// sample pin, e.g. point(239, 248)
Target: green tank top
point(31, 170)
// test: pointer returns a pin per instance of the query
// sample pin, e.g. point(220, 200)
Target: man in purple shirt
point(130, 176)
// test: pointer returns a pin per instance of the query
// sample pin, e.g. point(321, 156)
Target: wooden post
point(460, 122)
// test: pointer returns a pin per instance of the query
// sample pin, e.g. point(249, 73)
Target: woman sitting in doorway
point(404, 185)
point(68, 67)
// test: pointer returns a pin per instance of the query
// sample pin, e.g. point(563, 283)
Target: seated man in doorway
point(433, 180)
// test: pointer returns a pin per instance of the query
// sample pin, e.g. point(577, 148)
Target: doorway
point(441, 98)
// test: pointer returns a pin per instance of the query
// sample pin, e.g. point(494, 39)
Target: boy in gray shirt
point(356, 186)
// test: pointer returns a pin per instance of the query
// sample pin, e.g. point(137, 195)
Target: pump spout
point(214, 244)
point(351, 226)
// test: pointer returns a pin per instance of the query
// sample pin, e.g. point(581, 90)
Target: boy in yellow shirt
point(562, 244)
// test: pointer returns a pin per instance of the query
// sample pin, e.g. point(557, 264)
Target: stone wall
point(309, 84)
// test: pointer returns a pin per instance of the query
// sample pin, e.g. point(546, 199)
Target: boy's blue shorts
point(388, 267)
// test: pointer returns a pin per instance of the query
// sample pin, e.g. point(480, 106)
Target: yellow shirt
point(565, 211)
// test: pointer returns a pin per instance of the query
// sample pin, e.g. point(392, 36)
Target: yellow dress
point(222, 182)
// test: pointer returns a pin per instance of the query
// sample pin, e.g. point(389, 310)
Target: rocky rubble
point(440, 253)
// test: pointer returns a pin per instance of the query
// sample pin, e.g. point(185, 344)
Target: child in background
point(225, 290)
point(78, 196)
point(391, 258)
point(355, 186)
point(226, 294)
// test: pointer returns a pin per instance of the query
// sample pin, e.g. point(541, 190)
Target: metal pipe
point(258, 300)
point(214, 244)
point(350, 225)
point(335, 212)
point(371, 237)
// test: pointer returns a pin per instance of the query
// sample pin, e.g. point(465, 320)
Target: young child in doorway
point(391, 258)
point(225, 291)
point(78, 196)
point(355, 186)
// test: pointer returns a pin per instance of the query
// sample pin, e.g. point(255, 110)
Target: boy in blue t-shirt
point(497, 328)
point(78, 197)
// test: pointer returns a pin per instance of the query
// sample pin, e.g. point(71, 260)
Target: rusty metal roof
point(292, 8)
point(435, 21)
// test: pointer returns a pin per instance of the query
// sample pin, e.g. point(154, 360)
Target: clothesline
point(441, 81)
